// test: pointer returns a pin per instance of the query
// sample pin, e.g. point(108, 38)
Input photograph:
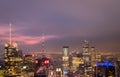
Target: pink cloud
point(31, 40)
point(28, 40)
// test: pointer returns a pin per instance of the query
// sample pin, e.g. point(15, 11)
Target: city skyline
point(63, 23)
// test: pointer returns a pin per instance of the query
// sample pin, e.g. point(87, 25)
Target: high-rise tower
point(86, 53)
point(12, 58)
point(65, 59)
point(87, 59)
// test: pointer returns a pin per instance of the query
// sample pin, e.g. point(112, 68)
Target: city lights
point(59, 38)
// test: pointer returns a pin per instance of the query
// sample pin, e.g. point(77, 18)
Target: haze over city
point(63, 22)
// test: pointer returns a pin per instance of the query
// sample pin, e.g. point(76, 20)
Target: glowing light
point(46, 61)
point(24, 67)
point(36, 61)
point(33, 55)
point(105, 63)
point(6, 45)
point(15, 45)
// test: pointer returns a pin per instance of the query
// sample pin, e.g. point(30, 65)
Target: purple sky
point(64, 22)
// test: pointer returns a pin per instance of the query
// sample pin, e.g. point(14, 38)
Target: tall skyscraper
point(12, 58)
point(87, 59)
point(86, 53)
point(65, 59)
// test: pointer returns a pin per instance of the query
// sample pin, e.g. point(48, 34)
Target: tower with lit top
point(12, 59)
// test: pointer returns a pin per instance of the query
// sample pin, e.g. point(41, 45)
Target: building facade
point(12, 60)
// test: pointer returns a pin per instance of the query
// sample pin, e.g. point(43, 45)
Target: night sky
point(63, 22)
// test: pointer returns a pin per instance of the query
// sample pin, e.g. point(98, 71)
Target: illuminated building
point(98, 57)
point(87, 60)
point(28, 62)
point(86, 53)
point(65, 59)
point(93, 56)
point(12, 59)
point(107, 65)
point(41, 67)
point(105, 69)
point(76, 62)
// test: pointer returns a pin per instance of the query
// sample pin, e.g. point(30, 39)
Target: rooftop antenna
point(10, 36)
point(43, 43)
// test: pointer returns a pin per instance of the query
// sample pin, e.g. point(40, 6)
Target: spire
point(10, 36)
point(43, 43)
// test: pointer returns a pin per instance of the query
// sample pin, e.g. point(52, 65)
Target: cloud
point(30, 40)
point(70, 19)
point(25, 39)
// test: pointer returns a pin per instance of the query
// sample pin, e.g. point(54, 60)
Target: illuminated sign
point(105, 63)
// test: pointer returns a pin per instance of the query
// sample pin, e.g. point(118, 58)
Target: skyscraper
point(12, 58)
point(65, 59)
point(87, 59)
